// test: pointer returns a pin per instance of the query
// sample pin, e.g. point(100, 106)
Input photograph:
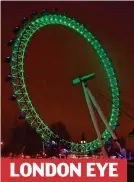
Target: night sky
point(56, 55)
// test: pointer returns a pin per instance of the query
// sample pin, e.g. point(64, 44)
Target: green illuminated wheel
point(19, 85)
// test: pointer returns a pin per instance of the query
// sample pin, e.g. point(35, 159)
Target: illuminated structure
point(20, 93)
point(89, 100)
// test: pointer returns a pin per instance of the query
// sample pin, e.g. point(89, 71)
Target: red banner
point(64, 170)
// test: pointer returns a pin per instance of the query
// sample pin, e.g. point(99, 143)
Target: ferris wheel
point(20, 93)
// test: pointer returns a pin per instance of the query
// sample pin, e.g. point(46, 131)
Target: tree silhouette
point(23, 136)
point(131, 133)
point(60, 129)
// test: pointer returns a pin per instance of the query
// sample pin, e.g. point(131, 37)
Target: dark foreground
point(130, 168)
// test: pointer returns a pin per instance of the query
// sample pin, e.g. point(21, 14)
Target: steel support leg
point(96, 105)
point(94, 120)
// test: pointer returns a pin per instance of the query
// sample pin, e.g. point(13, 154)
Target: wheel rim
point(18, 79)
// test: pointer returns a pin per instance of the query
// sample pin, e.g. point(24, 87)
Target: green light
point(18, 81)
point(84, 78)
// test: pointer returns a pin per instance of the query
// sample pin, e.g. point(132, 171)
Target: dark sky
point(57, 54)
